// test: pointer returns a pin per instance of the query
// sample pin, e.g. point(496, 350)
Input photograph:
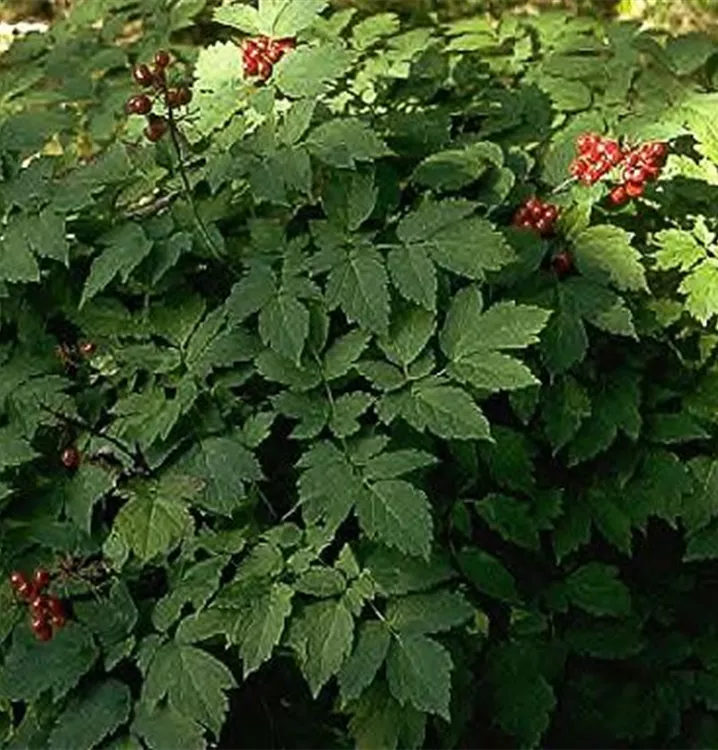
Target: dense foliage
point(334, 410)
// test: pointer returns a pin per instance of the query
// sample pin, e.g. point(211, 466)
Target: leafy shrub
point(286, 393)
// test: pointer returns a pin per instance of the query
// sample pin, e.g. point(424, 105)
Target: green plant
point(288, 400)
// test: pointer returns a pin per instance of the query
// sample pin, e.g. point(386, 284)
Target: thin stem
point(562, 186)
point(188, 188)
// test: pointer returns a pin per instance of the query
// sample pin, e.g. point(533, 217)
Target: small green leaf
point(597, 589)
point(361, 667)
point(488, 574)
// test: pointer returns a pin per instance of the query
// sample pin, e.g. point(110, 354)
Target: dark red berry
point(162, 58)
point(550, 213)
point(251, 67)
point(264, 69)
point(562, 264)
point(42, 630)
point(70, 458)
point(87, 348)
point(41, 579)
point(618, 195)
point(55, 606)
point(18, 580)
point(139, 105)
point(142, 75)
point(38, 606)
point(184, 95)
point(58, 621)
point(155, 129)
point(543, 227)
point(634, 189)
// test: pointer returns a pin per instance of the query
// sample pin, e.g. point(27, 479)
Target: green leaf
point(219, 88)
point(341, 142)
point(152, 523)
point(488, 574)
point(282, 18)
point(678, 249)
point(596, 588)
point(457, 168)
point(419, 672)
point(126, 247)
point(361, 667)
point(397, 463)
point(564, 341)
point(523, 699)
point(250, 294)
point(604, 251)
point(90, 716)
point(239, 15)
point(511, 518)
point(380, 721)
point(193, 681)
point(565, 408)
point(397, 574)
point(14, 449)
point(449, 412)
point(428, 613)
point(309, 72)
point(325, 633)
point(702, 545)
point(344, 352)
point(88, 485)
point(359, 283)
point(370, 30)
point(600, 306)
point(346, 411)
point(255, 617)
point(165, 727)
point(320, 582)
point(414, 275)
point(32, 667)
point(225, 466)
point(409, 333)
point(700, 290)
point(284, 325)
point(493, 371)
point(196, 586)
point(398, 514)
point(17, 263)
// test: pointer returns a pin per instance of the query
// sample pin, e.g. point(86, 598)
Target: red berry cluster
point(596, 156)
point(642, 165)
point(536, 215)
point(156, 78)
point(259, 55)
point(46, 610)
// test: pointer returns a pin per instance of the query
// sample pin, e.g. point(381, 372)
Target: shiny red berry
point(634, 189)
point(58, 621)
point(38, 606)
point(562, 264)
point(41, 579)
point(139, 105)
point(162, 58)
point(42, 629)
point(87, 348)
point(184, 95)
point(155, 129)
point(251, 67)
point(264, 69)
point(543, 227)
point(142, 75)
point(55, 606)
point(18, 580)
point(550, 213)
point(70, 458)
point(618, 195)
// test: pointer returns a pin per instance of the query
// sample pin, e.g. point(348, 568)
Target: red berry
point(41, 579)
point(543, 227)
point(634, 189)
point(262, 43)
point(618, 195)
point(142, 75)
point(58, 621)
point(87, 348)
point(156, 128)
point(658, 150)
point(139, 105)
point(38, 606)
point(251, 66)
point(70, 458)
point(287, 43)
point(42, 630)
point(18, 580)
point(55, 606)
point(184, 95)
point(585, 142)
point(562, 263)
point(264, 69)
point(550, 213)
point(162, 58)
